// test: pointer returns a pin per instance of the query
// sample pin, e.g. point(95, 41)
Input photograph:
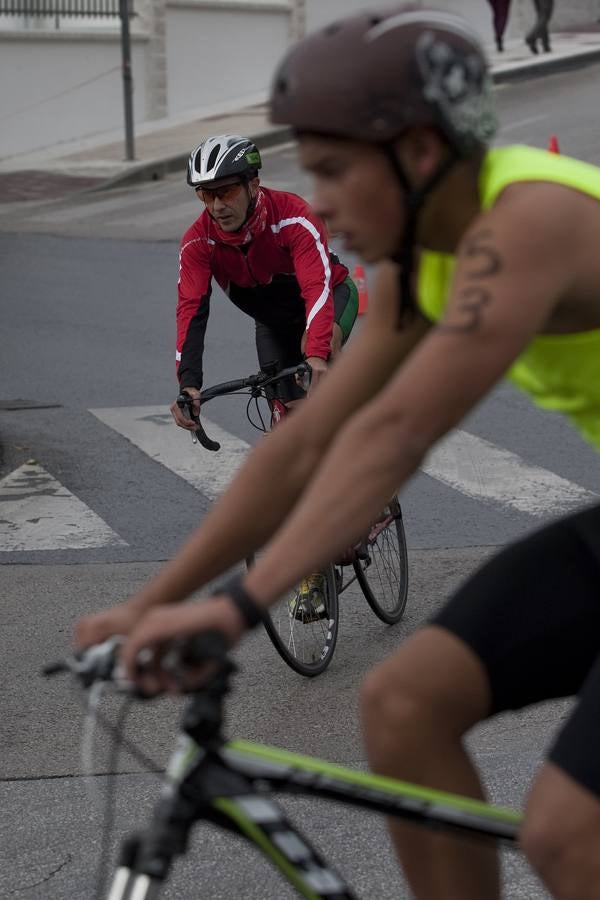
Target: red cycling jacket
point(282, 237)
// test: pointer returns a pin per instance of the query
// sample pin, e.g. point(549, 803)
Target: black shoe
point(531, 43)
point(499, 45)
point(545, 40)
point(308, 603)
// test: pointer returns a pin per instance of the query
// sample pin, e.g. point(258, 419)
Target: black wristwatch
point(252, 613)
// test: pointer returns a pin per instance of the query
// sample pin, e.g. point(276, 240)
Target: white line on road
point(466, 463)
point(152, 429)
point(484, 471)
point(513, 126)
point(38, 513)
point(90, 209)
point(185, 213)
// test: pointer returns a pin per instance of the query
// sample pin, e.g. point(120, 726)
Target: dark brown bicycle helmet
point(374, 75)
point(377, 73)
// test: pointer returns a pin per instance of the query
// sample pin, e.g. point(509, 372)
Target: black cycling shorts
point(532, 615)
point(280, 315)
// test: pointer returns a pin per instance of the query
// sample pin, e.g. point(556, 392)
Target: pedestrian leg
point(501, 9)
point(546, 8)
point(534, 33)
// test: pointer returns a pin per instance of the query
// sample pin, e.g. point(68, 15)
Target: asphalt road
point(87, 311)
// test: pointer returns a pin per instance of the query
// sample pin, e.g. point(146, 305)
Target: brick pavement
point(31, 185)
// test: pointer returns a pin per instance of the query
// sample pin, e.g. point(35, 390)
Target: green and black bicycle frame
point(231, 785)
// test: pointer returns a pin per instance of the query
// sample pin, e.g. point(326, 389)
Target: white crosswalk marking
point(152, 429)
point(135, 209)
point(90, 210)
point(466, 463)
point(184, 213)
point(160, 211)
point(484, 471)
point(38, 513)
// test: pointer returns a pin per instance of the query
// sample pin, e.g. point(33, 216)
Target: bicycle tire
point(305, 646)
point(383, 574)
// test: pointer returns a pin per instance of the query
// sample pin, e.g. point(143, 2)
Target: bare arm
point(505, 287)
point(512, 271)
point(251, 510)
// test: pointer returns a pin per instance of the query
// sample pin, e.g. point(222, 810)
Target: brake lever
point(184, 401)
point(304, 376)
point(96, 663)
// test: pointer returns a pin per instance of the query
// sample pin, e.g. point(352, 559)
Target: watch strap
point(252, 613)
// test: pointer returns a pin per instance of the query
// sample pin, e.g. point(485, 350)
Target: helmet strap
point(251, 203)
point(414, 199)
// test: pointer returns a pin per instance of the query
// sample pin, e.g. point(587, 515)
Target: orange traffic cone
point(553, 145)
point(361, 286)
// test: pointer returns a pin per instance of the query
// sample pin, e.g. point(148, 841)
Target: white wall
point(565, 15)
point(319, 12)
point(216, 54)
point(58, 86)
point(187, 55)
point(478, 12)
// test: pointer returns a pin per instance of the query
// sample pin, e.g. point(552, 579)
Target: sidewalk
point(163, 146)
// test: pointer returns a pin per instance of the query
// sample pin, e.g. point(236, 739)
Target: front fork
point(278, 411)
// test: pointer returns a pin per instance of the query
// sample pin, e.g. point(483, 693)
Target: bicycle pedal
point(307, 611)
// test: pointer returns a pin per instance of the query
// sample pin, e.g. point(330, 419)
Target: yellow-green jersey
point(561, 372)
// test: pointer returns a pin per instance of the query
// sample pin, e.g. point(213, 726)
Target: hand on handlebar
point(180, 412)
point(318, 368)
point(98, 627)
point(148, 644)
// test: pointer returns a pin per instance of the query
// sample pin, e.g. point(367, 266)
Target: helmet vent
point(374, 20)
point(213, 157)
point(332, 29)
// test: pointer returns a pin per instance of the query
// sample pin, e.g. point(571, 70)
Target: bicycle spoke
point(304, 640)
point(383, 576)
point(390, 568)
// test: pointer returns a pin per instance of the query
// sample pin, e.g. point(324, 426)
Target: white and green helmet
point(222, 156)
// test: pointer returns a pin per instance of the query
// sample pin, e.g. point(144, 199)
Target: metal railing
point(60, 8)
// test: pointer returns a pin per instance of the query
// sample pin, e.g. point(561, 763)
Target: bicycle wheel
point(303, 641)
point(382, 565)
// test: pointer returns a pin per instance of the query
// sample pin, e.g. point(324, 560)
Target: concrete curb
point(154, 170)
point(548, 65)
